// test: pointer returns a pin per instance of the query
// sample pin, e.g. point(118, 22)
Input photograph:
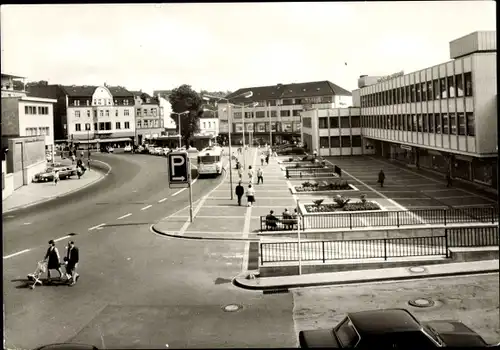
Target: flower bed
point(324, 186)
point(349, 207)
point(341, 204)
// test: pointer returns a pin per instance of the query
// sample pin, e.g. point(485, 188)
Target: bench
point(278, 224)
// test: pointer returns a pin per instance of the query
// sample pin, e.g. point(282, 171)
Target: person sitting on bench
point(271, 221)
point(287, 220)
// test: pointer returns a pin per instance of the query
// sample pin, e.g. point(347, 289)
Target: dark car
point(391, 328)
point(289, 150)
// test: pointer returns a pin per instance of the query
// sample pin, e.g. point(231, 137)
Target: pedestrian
point(448, 179)
point(260, 176)
point(240, 172)
point(56, 177)
point(81, 154)
point(72, 259)
point(239, 192)
point(262, 158)
point(315, 153)
point(250, 174)
point(250, 195)
point(381, 178)
point(267, 158)
point(53, 260)
point(73, 158)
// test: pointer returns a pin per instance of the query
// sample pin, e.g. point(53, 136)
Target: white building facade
point(100, 115)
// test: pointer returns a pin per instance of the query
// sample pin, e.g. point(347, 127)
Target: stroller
point(35, 276)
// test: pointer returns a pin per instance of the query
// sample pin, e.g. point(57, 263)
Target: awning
point(85, 141)
point(121, 139)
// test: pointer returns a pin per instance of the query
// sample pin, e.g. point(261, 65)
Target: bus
point(210, 161)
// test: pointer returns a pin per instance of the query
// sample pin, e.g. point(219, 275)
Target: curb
point(64, 194)
point(216, 238)
point(239, 284)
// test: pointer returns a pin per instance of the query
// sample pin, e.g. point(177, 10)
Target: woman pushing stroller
point(53, 260)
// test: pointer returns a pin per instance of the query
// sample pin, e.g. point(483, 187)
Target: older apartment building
point(93, 115)
point(148, 117)
point(274, 112)
point(443, 118)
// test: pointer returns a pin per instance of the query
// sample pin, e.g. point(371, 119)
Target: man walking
point(381, 178)
point(260, 178)
point(72, 258)
point(239, 192)
point(250, 174)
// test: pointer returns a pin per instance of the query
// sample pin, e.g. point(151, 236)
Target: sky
point(226, 46)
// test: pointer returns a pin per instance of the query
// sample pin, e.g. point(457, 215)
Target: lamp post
point(243, 119)
point(247, 94)
point(179, 123)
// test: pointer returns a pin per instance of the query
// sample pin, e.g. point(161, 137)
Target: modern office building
point(442, 118)
point(29, 116)
point(148, 117)
point(274, 111)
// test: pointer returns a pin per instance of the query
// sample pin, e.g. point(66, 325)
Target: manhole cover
point(417, 269)
point(232, 308)
point(421, 302)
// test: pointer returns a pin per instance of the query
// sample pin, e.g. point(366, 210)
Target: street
point(471, 299)
point(137, 289)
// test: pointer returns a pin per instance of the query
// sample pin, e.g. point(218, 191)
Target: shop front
point(402, 153)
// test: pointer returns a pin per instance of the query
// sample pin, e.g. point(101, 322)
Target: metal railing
point(352, 220)
point(310, 172)
point(472, 236)
point(354, 249)
point(401, 218)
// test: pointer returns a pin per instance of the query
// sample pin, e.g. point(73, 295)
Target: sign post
point(179, 175)
point(299, 222)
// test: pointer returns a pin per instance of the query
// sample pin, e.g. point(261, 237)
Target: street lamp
point(247, 94)
point(179, 123)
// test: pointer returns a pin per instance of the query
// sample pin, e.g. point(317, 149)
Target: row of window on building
point(153, 112)
point(443, 88)
point(340, 141)
point(40, 131)
point(103, 113)
point(209, 125)
point(102, 102)
point(34, 109)
point(449, 124)
point(352, 121)
point(295, 101)
point(264, 127)
point(102, 126)
point(265, 114)
point(148, 123)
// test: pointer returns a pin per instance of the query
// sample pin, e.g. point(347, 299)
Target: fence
point(354, 249)
point(472, 236)
point(401, 218)
point(310, 172)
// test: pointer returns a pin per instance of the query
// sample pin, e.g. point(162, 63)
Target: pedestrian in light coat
point(260, 176)
point(239, 192)
point(250, 174)
point(240, 172)
point(250, 195)
point(381, 178)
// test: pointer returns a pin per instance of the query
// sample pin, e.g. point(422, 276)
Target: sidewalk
point(217, 217)
point(363, 276)
point(35, 193)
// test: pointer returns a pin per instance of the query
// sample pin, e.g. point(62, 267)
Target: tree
point(182, 99)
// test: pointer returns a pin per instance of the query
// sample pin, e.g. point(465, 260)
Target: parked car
point(289, 150)
point(166, 151)
point(158, 151)
point(391, 329)
point(127, 148)
point(48, 175)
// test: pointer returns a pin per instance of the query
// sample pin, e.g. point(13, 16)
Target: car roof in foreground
point(384, 321)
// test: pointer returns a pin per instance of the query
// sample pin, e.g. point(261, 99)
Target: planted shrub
point(341, 201)
point(363, 199)
point(351, 207)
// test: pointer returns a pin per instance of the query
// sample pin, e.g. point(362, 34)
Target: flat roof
point(12, 76)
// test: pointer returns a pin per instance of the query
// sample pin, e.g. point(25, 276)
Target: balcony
point(13, 86)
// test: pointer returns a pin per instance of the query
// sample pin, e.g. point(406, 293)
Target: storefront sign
point(389, 77)
point(408, 148)
point(238, 127)
point(261, 127)
point(287, 127)
point(249, 126)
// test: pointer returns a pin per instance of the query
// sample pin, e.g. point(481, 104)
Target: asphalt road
point(137, 289)
point(471, 299)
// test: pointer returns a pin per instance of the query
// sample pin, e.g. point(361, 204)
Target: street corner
point(169, 227)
